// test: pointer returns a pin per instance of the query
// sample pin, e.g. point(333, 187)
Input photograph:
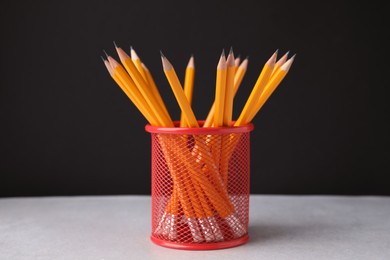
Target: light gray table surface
point(118, 227)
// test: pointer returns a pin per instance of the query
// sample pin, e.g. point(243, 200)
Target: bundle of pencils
point(205, 165)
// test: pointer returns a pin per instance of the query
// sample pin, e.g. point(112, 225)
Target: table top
point(118, 227)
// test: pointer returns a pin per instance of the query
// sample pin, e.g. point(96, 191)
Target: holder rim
point(199, 131)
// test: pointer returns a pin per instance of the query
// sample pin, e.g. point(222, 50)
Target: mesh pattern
point(200, 187)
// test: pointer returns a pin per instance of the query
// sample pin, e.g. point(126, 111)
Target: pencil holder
point(200, 186)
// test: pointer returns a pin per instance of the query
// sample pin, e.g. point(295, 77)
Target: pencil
point(237, 61)
point(240, 73)
point(279, 63)
point(257, 90)
point(277, 66)
point(120, 72)
point(146, 92)
point(179, 92)
point(154, 89)
point(270, 88)
point(238, 77)
point(229, 90)
point(137, 62)
point(144, 112)
point(188, 86)
point(220, 92)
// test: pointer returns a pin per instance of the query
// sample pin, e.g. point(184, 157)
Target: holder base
point(205, 246)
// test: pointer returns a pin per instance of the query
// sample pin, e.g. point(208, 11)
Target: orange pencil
point(220, 91)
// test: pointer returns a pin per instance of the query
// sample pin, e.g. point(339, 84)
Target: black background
point(67, 129)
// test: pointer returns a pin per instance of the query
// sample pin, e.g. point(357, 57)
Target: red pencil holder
point(200, 186)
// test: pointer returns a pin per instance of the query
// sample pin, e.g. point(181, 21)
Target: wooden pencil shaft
point(179, 93)
point(257, 90)
point(164, 119)
point(154, 89)
point(271, 86)
point(137, 63)
point(279, 63)
point(238, 77)
point(188, 87)
point(132, 89)
point(145, 112)
point(147, 94)
point(229, 92)
point(220, 92)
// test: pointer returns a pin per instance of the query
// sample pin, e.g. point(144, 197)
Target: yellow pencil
point(123, 86)
point(220, 92)
point(137, 62)
point(277, 66)
point(143, 87)
point(240, 73)
point(238, 77)
point(154, 89)
point(179, 92)
point(237, 63)
point(257, 90)
point(270, 87)
point(279, 63)
point(188, 86)
point(128, 84)
point(229, 90)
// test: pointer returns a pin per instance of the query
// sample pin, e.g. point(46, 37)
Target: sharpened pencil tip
point(133, 54)
point(286, 66)
point(272, 60)
point(116, 46)
point(166, 64)
point(230, 59)
point(239, 56)
point(247, 57)
point(223, 53)
point(191, 63)
point(102, 58)
point(162, 54)
point(105, 53)
point(231, 50)
point(237, 61)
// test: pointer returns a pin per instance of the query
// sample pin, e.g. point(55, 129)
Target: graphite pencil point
point(162, 55)
point(105, 53)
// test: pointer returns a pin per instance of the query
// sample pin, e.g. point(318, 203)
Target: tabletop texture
point(118, 227)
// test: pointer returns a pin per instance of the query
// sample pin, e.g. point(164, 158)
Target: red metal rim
point(211, 246)
point(200, 130)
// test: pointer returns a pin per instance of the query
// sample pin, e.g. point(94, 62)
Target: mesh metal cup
point(200, 186)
